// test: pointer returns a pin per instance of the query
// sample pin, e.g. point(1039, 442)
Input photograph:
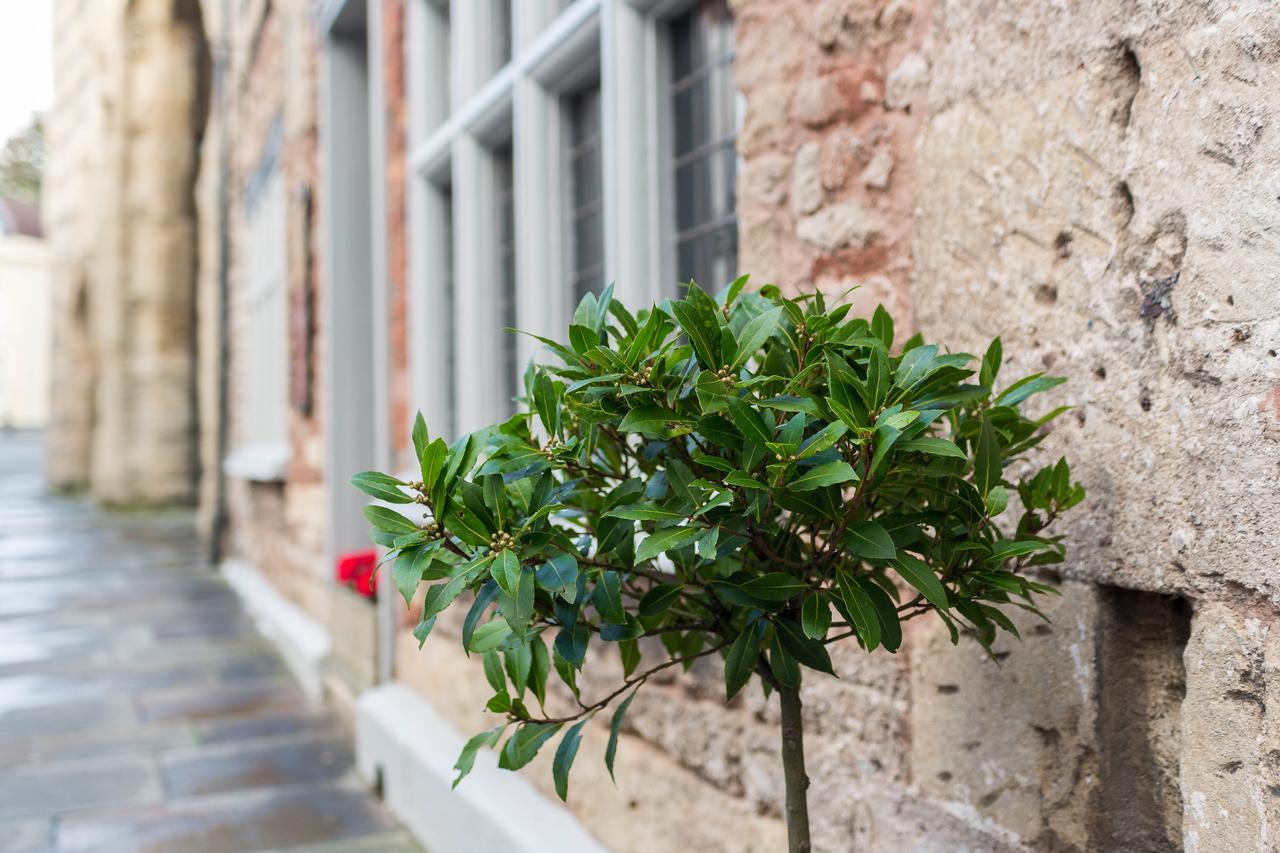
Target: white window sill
point(263, 463)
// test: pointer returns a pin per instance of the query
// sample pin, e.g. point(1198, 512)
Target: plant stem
point(793, 770)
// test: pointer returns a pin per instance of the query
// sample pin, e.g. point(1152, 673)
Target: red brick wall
point(825, 198)
point(393, 39)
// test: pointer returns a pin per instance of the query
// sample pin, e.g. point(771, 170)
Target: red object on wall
point(356, 571)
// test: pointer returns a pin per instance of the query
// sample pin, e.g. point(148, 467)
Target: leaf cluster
point(750, 476)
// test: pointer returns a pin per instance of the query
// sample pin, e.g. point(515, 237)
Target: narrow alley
point(139, 708)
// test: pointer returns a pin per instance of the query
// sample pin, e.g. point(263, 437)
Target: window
point(504, 175)
point(586, 214)
point(704, 125)
point(583, 142)
point(445, 308)
point(502, 30)
point(264, 375)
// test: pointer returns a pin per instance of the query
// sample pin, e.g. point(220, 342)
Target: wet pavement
point(139, 708)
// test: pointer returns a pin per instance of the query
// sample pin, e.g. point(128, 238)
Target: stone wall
point(1096, 183)
point(132, 88)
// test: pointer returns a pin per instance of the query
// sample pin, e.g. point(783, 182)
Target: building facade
point(385, 185)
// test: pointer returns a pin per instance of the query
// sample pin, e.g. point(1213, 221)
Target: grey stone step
point(238, 766)
point(35, 791)
point(262, 820)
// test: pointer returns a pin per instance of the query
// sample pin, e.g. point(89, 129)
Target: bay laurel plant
point(751, 478)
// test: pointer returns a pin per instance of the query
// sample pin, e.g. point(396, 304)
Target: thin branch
point(633, 681)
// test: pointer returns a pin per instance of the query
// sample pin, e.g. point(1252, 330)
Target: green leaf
point(754, 334)
point(548, 404)
point(815, 616)
point(783, 664)
point(997, 500)
point(748, 422)
point(986, 458)
point(811, 653)
point(646, 512)
point(1007, 548)
point(920, 575)
point(658, 600)
point(882, 326)
point(1024, 388)
point(869, 540)
point(420, 438)
point(740, 662)
point(914, 366)
point(701, 324)
point(484, 598)
point(608, 597)
point(431, 461)
point(774, 586)
point(517, 607)
point(506, 571)
point(933, 447)
point(651, 420)
point(559, 575)
point(737, 478)
point(667, 539)
point(467, 759)
point(522, 747)
point(493, 672)
point(615, 725)
point(860, 610)
point(387, 519)
point(381, 486)
point(565, 753)
point(991, 363)
point(823, 439)
point(539, 669)
point(798, 405)
point(409, 568)
point(489, 636)
point(713, 396)
point(827, 474)
point(877, 387)
point(887, 610)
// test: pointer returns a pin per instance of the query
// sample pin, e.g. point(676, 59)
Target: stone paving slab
point(139, 708)
point(264, 820)
point(38, 790)
point(234, 767)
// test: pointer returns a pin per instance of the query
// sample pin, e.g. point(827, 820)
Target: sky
point(26, 62)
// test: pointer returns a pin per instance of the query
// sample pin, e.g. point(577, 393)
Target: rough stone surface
point(124, 148)
point(806, 180)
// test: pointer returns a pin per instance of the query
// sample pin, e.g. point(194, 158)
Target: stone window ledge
point(263, 463)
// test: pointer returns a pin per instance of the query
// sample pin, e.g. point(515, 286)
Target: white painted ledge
point(263, 463)
point(302, 641)
point(401, 735)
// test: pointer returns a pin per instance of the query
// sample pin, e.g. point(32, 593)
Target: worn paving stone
point(211, 770)
point(310, 721)
point(39, 790)
point(283, 819)
point(200, 703)
point(29, 835)
point(140, 709)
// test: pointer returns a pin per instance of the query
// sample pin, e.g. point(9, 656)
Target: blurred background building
point(276, 228)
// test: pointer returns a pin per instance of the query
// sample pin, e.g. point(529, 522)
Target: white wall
point(25, 332)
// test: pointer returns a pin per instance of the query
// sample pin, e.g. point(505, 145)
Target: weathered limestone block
point(838, 226)
point(806, 181)
point(1011, 738)
point(1080, 216)
point(1230, 731)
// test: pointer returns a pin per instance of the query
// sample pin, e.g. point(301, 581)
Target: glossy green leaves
point(741, 476)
